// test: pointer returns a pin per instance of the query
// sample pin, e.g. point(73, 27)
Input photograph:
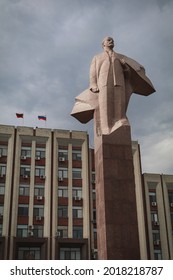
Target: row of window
point(62, 232)
point(39, 191)
point(37, 231)
point(29, 253)
point(24, 190)
point(24, 231)
point(70, 253)
point(40, 171)
point(62, 154)
point(26, 152)
point(23, 210)
point(63, 211)
point(63, 192)
point(40, 152)
point(34, 253)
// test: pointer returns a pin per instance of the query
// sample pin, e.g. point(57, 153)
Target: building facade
point(47, 198)
point(159, 215)
point(44, 194)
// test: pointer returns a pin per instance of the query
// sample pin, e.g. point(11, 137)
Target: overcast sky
point(46, 47)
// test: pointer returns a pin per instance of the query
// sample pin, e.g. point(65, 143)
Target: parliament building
point(48, 199)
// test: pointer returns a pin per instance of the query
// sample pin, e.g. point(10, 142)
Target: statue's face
point(108, 42)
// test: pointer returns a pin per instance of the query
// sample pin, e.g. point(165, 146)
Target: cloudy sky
point(46, 48)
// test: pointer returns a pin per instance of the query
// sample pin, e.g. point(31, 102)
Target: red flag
point(18, 115)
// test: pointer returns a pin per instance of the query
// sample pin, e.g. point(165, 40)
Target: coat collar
point(113, 54)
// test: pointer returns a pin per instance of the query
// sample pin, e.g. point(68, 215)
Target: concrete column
point(55, 195)
point(47, 189)
point(140, 202)
point(32, 182)
point(117, 227)
point(70, 195)
point(8, 182)
point(15, 193)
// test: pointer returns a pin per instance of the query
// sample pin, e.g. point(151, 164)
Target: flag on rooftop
point(19, 115)
point(42, 118)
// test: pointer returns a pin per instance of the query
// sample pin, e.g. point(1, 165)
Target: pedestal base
point(117, 229)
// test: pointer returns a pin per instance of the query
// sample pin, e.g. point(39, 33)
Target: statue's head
point(108, 42)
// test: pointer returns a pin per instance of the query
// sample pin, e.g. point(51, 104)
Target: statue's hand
point(126, 68)
point(95, 90)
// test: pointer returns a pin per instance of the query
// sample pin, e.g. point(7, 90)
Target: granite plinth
point(117, 228)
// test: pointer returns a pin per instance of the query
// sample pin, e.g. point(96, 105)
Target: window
point(152, 197)
point(77, 192)
point(25, 170)
point(23, 210)
point(29, 253)
point(62, 211)
point(40, 153)
point(62, 155)
point(22, 230)
point(95, 234)
point(3, 151)
point(26, 152)
point(170, 195)
point(169, 185)
point(38, 231)
point(70, 254)
point(1, 209)
point(39, 190)
point(156, 235)
point(94, 194)
point(2, 189)
point(94, 215)
point(77, 173)
point(157, 255)
point(0, 230)
point(62, 192)
point(77, 212)
point(93, 177)
point(39, 171)
point(78, 232)
point(62, 173)
point(62, 231)
point(2, 170)
point(154, 217)
point(38, 211)
point(76, 155)
point(24, 190)
point(171, 217)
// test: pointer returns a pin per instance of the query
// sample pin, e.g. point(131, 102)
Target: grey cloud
point(46, 48)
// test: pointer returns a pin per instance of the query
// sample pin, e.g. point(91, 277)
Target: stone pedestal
point(117, 229)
